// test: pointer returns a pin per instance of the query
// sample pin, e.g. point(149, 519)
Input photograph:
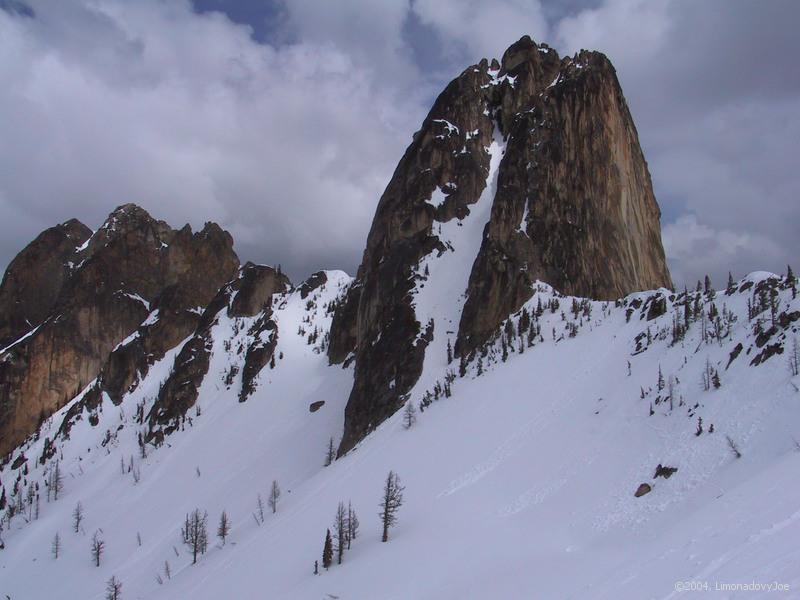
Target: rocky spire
point(551, 142)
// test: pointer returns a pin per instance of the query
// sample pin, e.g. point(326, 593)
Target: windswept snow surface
point(520, 485)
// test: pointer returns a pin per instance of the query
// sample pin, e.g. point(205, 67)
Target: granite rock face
point(130, 266)
point(573, 206)
point(33, 281)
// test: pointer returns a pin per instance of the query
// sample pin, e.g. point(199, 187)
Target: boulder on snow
point(315, 406)
point(643, 489)
point(665, 472)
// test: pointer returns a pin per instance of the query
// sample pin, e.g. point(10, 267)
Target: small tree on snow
point(409, 415)
point(195, 534)
point(794, 358)
point(56, 481)
point(260, 508)
point(327, 550)
point(55, 546)
point(391, 502)
point(715, 380)
point(274, 494)
point(734, 448)
point(77, 517)
point(340, 531)
point(98, 545)
point(114, 589)
point(330, 454)
point(708, 374)
point(224, 527)
point(352, 524)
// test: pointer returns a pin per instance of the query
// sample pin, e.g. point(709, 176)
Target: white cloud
point(482, 29)
point(289, 148)
point(291, 145)
point(630, 32)
point(694, 249)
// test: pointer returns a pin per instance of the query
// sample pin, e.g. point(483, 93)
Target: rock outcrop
point(571, 204)
point(250, 295)
point(574, 204)
point(33, 281)
point(130, 266)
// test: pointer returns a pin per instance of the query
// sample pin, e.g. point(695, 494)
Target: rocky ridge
point(130, 265)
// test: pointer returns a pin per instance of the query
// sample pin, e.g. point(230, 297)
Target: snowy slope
point(520, 484)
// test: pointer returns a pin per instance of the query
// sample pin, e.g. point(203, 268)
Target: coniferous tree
point(409, 415)
point(55, 546)
point(98, 546)
point(449, 352)
point(114, 589)
point(224, 527)
point(195, 533)
point(660, 383)
point(330, 453)
point(77, 517)
point(734, 448)
point(352, 524)
point(794, 358)
point(708, 373)
point(391, 502)
point(274, 494)
point(687, 311)
point(260, 508)
point(715, 381)
point(56, 480)
point(729, 289)
point(327, 550)
point(340, 531)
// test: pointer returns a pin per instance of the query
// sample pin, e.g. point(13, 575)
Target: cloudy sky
point(284, 119)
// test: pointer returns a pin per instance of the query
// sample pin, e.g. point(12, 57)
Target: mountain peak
point(523, 170)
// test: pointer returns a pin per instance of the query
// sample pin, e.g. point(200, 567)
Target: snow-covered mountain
point(519, 480)
point(557, 433)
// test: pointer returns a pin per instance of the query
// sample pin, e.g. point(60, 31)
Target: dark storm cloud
point(283, 121)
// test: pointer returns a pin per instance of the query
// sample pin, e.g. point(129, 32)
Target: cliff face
point(33, 281)
point(130, 265)
point(248, 295)
point(574, 204)
point(549, 145)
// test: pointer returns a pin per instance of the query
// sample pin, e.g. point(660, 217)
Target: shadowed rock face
point(248, 295)
point(33, 281)
point(130, 264)
point(574, 207)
